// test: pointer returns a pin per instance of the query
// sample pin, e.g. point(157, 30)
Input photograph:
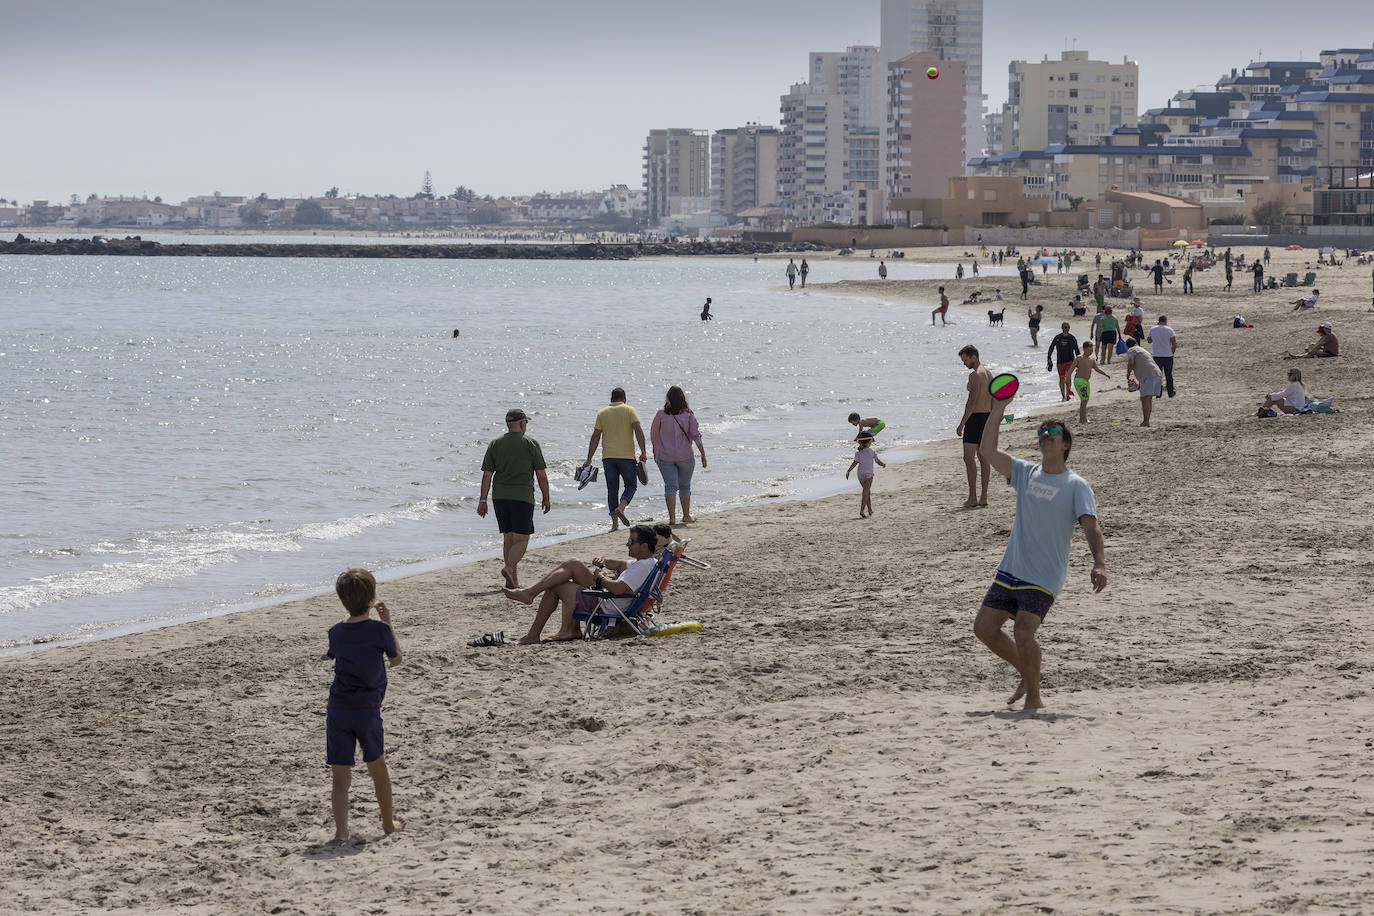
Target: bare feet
point(624, 519)
point(1020, 692)
point(510, 582)
point(340, 838)
point(396, 826)
point(560, 636)
point(970, 504)
point(688, 519)
point(527, 640)
point(523, 595)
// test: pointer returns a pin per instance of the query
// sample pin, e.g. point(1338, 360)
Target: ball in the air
point(933, 73)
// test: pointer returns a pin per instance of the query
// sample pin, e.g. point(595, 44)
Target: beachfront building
point(744, 169)
point(953, 29)
point(1073, 100)
point(677, 172)
point(811, 157)
point(972, 201)
point(926, 130)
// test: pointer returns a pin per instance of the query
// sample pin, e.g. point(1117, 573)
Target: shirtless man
point(1082, 371)
point(944, 307)
point(977, 411)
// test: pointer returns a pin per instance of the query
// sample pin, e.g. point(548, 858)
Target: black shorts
point(1011, 594)
point(1107, 337)
point(514, 516)
point(973, 429)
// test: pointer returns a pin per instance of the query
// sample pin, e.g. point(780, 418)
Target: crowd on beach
point(1052, 500)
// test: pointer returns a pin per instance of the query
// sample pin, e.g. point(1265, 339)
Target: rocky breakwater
point(589, 251)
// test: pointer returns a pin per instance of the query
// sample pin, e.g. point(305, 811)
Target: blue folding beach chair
point(638, 615)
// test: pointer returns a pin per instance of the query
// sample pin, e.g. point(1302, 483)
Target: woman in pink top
point(673, 433)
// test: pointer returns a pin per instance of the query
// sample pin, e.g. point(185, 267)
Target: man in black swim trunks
point(1063, 351)
point(977, 409)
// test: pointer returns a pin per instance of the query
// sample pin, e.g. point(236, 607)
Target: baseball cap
point(515, 416)
point(1327, 325)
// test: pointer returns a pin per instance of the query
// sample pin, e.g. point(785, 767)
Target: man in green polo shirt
point(513, 462)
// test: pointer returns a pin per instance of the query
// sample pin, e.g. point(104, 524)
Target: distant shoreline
point(134, 246)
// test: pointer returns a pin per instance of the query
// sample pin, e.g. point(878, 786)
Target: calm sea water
point(186, 437)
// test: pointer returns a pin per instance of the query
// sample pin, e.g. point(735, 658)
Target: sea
point(187, 437)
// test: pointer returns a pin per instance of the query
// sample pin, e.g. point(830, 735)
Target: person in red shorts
point(1063, 351)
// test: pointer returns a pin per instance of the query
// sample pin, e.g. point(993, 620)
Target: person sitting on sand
point(1307, 302)
point(1290, 400)
point(568, 582)
point(1325, 345)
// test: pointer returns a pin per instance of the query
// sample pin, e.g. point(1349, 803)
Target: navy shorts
point(346, 728)
point(514, 516)
point(1011, 594)
point(973, 428)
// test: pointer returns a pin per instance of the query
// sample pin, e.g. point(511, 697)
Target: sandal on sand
point(488, 639)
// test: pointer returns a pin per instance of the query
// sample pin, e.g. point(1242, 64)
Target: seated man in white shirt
point(1307, 302)
point(568, 582)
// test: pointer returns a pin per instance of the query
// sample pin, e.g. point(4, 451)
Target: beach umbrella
point(1199, 242)
point(1047, 260)
point(1180, 243)
point(1293, 248)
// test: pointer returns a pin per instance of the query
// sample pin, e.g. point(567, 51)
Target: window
point(1073, 93)
point(1073, 77)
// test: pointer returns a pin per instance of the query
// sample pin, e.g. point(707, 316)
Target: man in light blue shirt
point(1050, 501)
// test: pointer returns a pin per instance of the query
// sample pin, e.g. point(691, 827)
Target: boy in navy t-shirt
point(360, 647)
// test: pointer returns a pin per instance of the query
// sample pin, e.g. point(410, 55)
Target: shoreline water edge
point(835, 739)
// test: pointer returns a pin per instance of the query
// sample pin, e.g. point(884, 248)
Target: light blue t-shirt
point(1047, 508)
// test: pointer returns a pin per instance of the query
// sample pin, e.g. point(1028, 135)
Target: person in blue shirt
point(361, 648)
point(1050, 501)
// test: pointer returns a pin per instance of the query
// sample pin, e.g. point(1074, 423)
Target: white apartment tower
point(953, 29)
point(1072, 100)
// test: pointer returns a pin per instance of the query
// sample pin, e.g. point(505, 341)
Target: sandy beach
point(836, 739)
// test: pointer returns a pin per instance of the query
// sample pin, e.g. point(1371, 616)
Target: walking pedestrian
point(510, 467)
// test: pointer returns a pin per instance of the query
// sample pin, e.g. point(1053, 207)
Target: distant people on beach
point(791, 274)
point(509, 468)
point(1290, 400)
point(1326, 344)
point(1033, 323)
point(706, 310)
point(1050, 501)
point(1258, 271)
point(1107, 332)
point(672, 434)
point(361, 649)
point(569, 583)
point(803, 271)
point(1082, 371)
point(882, 270)
point(618, 425)
point(978, 408)
point(864, 459)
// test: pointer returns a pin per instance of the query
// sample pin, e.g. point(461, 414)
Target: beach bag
point(641, 473)
point(1120, 346)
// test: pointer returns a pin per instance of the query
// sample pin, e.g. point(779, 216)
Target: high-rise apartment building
point(953, 29)
point(677, 172)
point(811, 156)
point(925, 130)
point(1072, 100)
point(744, 169)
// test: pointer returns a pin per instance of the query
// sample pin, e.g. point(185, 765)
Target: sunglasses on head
point(1047, 430)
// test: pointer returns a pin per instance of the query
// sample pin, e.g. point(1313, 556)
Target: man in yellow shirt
point(617, 429)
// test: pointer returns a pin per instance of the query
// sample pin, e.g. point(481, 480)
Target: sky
point(175, 98)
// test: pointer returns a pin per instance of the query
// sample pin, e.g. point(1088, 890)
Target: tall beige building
point(926, 130)
point(744, 169)
point(1072, 100)
point(811, 156)
point(677, 171)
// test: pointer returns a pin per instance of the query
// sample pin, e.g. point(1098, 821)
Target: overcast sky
point(183, 97)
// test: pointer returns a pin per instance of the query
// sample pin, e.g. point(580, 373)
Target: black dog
point(995, 318)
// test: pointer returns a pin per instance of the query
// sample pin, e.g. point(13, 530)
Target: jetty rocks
point(587, 251)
